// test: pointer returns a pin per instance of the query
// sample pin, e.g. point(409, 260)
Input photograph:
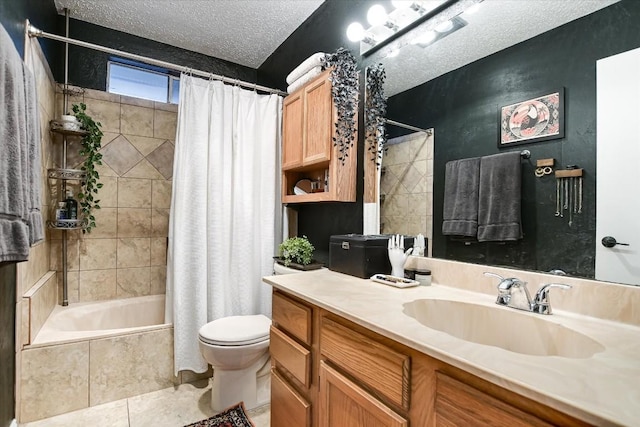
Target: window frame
point(145, 68)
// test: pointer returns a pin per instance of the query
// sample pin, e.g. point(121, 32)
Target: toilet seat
point(236, 330)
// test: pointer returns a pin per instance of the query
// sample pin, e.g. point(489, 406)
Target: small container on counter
point(423, 276)
point(410, 273)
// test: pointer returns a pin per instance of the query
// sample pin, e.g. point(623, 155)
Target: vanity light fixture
point(442, 30)
point(442, 17)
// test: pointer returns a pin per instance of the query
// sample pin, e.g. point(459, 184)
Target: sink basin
point(505, 328)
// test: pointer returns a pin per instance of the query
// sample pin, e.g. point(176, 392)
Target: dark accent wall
point(88, 67)
point(41, 13)
point(323, 31)
point(7, 342)
point(463, 105)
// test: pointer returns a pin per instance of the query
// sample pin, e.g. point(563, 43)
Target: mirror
point(459, 96)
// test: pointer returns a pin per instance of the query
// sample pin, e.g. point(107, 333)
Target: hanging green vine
point(344, 90)
point(90, 149)
point(375, 112)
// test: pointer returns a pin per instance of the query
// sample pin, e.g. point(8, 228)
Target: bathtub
point(92, 353)
point(82, 321)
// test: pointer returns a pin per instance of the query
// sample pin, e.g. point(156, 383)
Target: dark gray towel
point(14, 231)
point(460, 213)
point(499, 199)
point(34, 160)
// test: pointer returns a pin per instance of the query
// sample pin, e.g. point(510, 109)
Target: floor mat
point(231, 417)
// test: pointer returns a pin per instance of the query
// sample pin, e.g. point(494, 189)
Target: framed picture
point(534, 120)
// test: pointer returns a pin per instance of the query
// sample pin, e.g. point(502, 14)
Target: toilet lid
point(236, 330)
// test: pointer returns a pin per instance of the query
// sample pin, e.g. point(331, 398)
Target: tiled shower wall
point(406, 186)
point(125, 254)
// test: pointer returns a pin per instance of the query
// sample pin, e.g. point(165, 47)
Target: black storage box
point(361, 255)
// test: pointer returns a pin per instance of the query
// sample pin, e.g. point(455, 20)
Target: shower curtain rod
point(402, 125)
point(35, 32)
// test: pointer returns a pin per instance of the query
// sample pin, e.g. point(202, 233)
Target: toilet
point(237, 347)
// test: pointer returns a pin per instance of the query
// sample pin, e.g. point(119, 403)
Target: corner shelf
point(57, 126)
point(65, 224)
point(66, 174)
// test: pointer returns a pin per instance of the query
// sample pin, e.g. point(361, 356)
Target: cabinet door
point(318, 122)
point(292, 135)
point(344, 404)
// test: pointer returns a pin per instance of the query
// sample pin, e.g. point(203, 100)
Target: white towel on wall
point(302, 69)
point(308, 76)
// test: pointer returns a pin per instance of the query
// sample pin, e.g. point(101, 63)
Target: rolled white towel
point(306, 65)
point(308, 76)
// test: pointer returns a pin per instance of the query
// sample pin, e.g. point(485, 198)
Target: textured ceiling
point(242, 31)
point(248, 31)
point(496, 25)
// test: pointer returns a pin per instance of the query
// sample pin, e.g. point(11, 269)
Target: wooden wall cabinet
point(308, 150)
point(334, 373)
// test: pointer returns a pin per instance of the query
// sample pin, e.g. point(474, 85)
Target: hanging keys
point(569, 184)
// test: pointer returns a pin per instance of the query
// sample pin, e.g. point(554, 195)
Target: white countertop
point(603, 389)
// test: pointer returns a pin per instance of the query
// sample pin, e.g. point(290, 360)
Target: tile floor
point(171, 407)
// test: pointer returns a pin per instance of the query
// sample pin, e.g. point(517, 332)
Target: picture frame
point(537, 119)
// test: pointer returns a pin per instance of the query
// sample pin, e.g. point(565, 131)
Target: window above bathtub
point(142, 81)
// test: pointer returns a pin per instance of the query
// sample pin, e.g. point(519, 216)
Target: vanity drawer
point(288, 408)
point(292, 356)
point(292, 316)
point(375, 365)
point(460, 404)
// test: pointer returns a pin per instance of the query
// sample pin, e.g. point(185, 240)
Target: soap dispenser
point(72, 205)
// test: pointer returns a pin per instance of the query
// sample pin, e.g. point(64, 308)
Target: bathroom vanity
point(352, 352)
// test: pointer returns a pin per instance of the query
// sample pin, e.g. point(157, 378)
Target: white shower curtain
point(223, 209)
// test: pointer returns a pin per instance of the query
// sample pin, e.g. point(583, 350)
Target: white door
point(618, 168)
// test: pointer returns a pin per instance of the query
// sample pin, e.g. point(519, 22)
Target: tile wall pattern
point(31, 311)
point(62, 378)
point(406, 186)
point(125, 255)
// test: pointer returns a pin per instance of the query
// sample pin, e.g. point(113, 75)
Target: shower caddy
point(60, 179)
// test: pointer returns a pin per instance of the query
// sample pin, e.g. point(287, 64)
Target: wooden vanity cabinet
point(308, 150)
point(359, 378)
point(293, 385)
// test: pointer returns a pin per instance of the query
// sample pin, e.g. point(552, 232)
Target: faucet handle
point(541, 303)
point(486, 273)
point(506, 283)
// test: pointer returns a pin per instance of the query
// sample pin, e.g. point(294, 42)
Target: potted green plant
point(90, 150)
point(296, 252)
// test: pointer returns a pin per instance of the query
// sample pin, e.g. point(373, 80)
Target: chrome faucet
point(541, 303)
point(513, 292)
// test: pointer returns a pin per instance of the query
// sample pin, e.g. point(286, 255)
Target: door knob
point(609, 242)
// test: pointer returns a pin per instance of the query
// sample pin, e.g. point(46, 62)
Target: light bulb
point(355, 32)
point(402, 4)
point(425, 38)
point(444, 26)
point(473, 9)
point(377, 15)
